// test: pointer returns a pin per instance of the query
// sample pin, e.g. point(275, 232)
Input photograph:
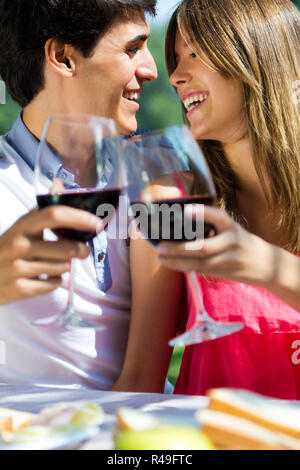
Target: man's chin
point(127, 129)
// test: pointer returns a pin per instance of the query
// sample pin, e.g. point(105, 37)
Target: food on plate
point(138, 430)
point(5, 423)
point(135, 420)
point(275, 415)
point(12, 420)
point(230, 432)
point(74, 414)
point(89, 415)
point(243, 420)
point(165, 437)
point(62, 419)
point(29, 434)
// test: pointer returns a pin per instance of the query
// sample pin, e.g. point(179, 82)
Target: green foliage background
point(160, 106)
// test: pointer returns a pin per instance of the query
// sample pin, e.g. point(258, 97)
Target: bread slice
point(229, 432)
point(274, 415)
point(6, 423)
point(135, 420)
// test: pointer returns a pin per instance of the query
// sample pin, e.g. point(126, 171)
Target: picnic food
point(242, 420)
point(164, 437)
point(137, 430)
point(18, 427)
point(12, 420)
point(74, 414)
point(134, 420)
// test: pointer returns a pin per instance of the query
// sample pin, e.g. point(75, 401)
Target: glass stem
point(201, 313)
point(70, 305)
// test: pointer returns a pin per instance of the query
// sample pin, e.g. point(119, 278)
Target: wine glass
point(166, 170)
point(78, 165)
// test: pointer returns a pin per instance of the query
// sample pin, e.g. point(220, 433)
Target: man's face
point(110, 81)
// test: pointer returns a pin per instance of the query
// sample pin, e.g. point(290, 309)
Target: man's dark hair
point(26, 25)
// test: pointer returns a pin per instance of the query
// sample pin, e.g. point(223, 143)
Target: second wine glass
point(166, 171)
point(78, 165)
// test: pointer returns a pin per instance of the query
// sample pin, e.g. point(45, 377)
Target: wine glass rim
point(167, 132)
point(82, 119)
point(161, 130)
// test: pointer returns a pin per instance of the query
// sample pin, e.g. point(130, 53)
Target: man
point(63, 56)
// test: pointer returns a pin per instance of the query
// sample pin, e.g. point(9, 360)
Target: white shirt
point(48, 356)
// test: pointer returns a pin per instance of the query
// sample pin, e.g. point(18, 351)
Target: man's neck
point(36, 114)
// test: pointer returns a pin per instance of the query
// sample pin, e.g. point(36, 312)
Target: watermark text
point(153, 221)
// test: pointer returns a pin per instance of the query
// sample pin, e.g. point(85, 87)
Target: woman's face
point(214, 104)
point(110, 81)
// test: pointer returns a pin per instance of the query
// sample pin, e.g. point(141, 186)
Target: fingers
point(216, 266)
point(57, 186)
point(228, 237)
point(23, 289)
point(200, 248)
point(24, 256)
point(216, 217)
point(57, 217)
point(33, 269)
point(62, 250)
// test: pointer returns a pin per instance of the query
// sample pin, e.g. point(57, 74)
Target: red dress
point(263, 357)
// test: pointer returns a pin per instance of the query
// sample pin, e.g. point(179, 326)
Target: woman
point(244, 58)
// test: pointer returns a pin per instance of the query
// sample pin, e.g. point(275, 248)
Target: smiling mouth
point(194, 101)
point(132, 95)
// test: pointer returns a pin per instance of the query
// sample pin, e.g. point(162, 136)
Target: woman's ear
point(59, 57)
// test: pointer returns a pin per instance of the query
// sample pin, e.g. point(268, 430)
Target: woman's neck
point(250, 198)
point(239, 156)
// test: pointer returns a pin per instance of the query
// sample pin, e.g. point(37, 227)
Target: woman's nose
point(178, 77)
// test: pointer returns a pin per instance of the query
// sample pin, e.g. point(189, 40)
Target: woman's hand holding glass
point(233, 253)
point(166, 172)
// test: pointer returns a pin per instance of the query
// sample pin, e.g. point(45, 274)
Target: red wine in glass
point(164, 220)
point(87, 149)
point(87, 200)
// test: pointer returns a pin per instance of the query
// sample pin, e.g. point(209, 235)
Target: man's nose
point(147, 69)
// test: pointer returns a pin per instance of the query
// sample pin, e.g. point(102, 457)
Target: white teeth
point(193, 101)
point(135, 95)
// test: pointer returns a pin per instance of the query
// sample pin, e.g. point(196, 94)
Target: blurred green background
point(159, 108)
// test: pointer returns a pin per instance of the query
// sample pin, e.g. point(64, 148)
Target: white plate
point(70, 440)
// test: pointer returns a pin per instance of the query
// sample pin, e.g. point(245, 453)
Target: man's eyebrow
point(139, 38)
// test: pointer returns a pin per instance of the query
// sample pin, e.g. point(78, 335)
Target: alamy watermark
point(153, 221)
point(2, 353)
point(296, 354)
point(2, 92)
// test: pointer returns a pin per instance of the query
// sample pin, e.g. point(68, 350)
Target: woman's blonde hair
point(258, 43)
